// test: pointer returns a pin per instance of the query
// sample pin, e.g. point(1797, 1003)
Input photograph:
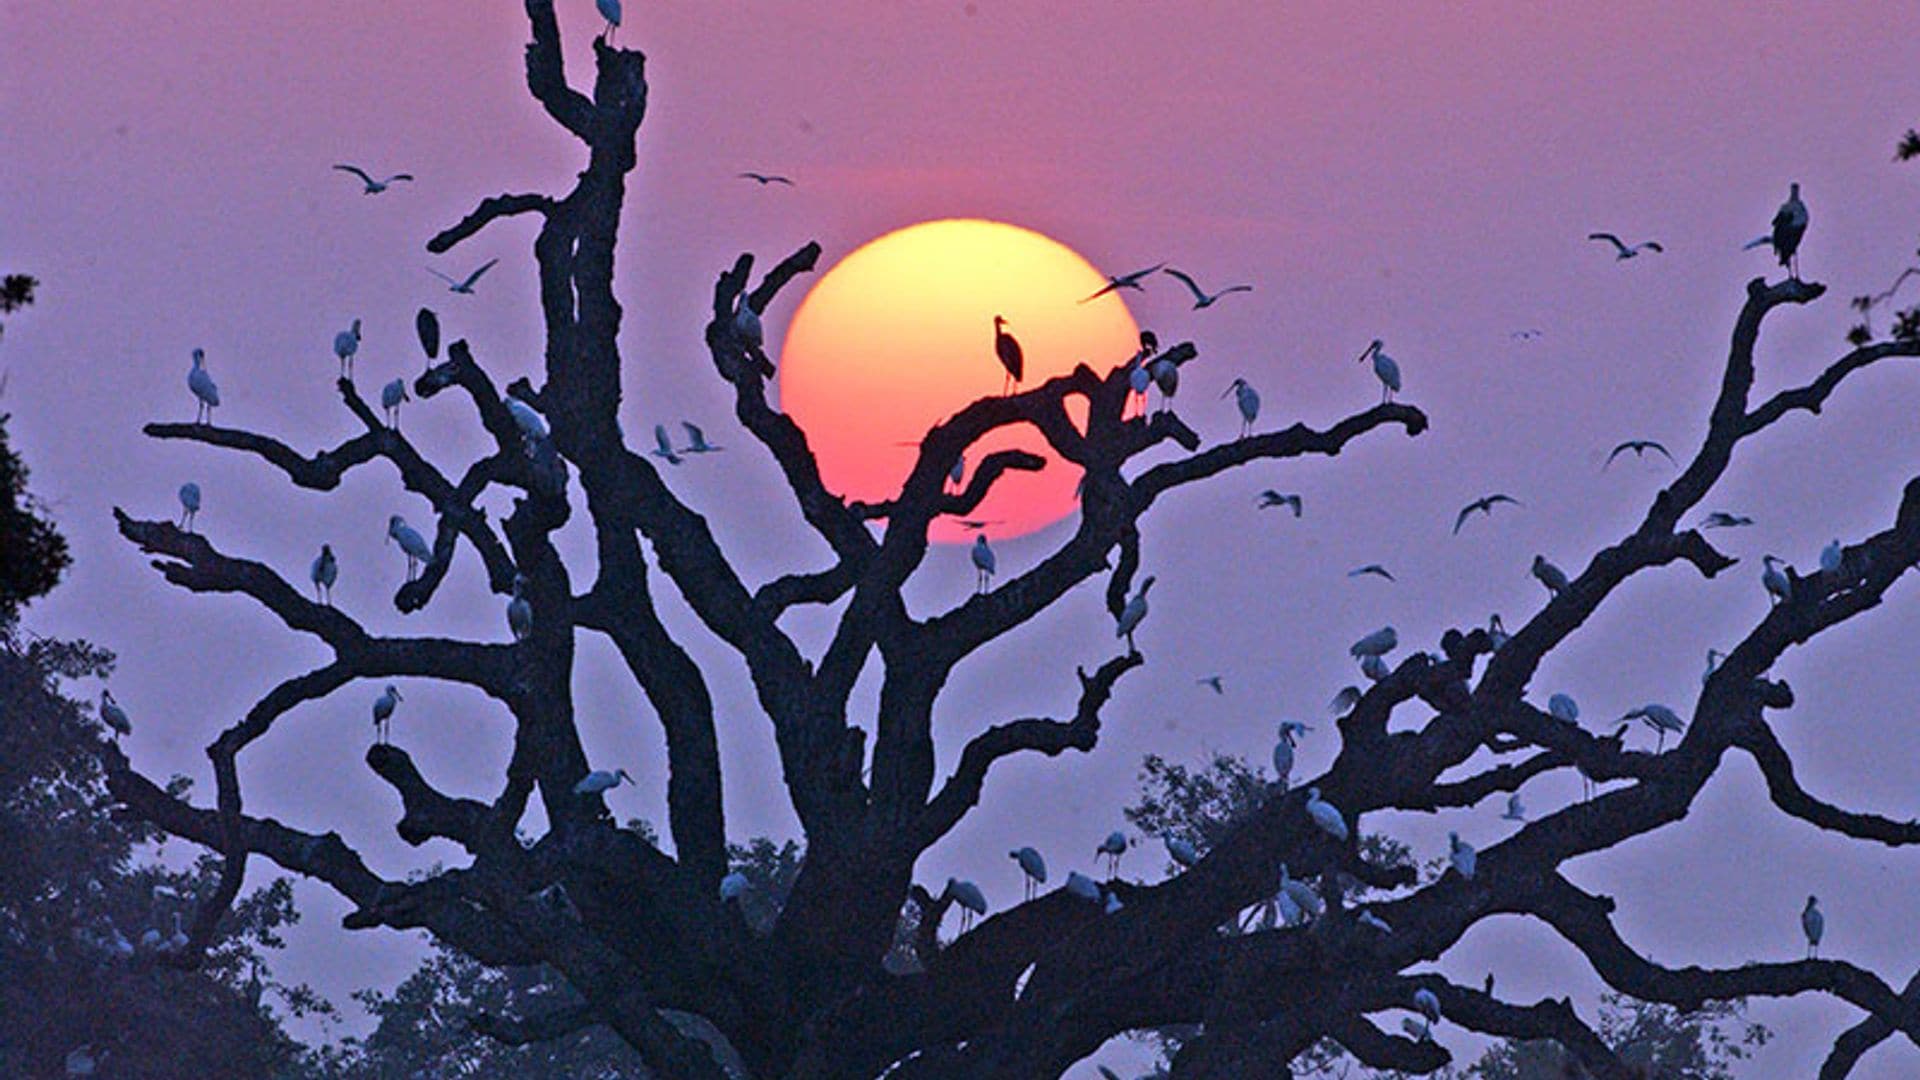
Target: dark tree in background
point(644, 939)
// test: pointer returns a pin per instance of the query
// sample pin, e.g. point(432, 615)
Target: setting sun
point(899, 335)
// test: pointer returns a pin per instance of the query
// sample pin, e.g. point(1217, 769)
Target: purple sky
point(1423, 175)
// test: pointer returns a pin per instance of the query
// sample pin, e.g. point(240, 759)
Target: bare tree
point(643, 936)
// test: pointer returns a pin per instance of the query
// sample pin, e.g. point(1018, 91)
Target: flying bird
point(1132, 614)
point(1622, 251)
point(984, 563)
point(373, 187)
point(383, 707)
point(1248, 400)
point(1271, 498)
point(204, 390)
point(662, 446)
point(391, 395)
point(345, 344)
point(1124, 281)
point(1639, 448)
point(324, 571)
point(465, 288)
point(1814, 925)
point(1554, 578)
point(763, 179)
point(697, 440)
point(1371, 568)
point(1213, 682)
point(1484, 505)
point(1526, 335)
point(600, 780)
point(189, 504)
point(1720, 519)
point(112, 715)
point(1384, 369)
point(1007, 348)
point(1202, 299)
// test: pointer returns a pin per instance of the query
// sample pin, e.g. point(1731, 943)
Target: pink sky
point(1419, 173)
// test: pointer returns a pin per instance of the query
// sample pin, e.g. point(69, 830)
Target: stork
point(372, 186)
point(1134, 611)
point(1248, 399)
point(324, 571)
point(1384, 369)
point(1007, 348)
point(203, 387)
point(345, 344)
point(383, 707)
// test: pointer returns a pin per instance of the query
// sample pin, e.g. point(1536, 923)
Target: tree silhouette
point(637, 933)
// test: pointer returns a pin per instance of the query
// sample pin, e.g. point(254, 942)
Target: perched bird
point(1639, 448)
point(1487, 988)
point(733, 886)
point(662, 446)
point(533, 426)
point(1166, 377)
point(1202, 299)
point(747, 328)
point(968, 895)
point(1124, 281)
point(465, 287)
point(1832, 556)
point(959, 471)
point(1182, 851)
point(1484, 505)
point(1789, 225)
point(189, 504)
point(383, 707)
point(1325, 816)
point(1713, 665)
point(1778, 585)
point(1516, 810)
point(1384, 369)
point(412, 544)
point(1378, 643)
point(204, 390)
point(1661, 719)
point(1374, 668)
point(372, 186)
point(1563, 707)
point(1465, 860)
point(1720, 519)
point(1549, 575)
point(1300, 895)
point(1344, 701)
point(983, 563)
point(1031, 865)
point(610, 11)
point(1248, 399)
point(1813, 924)
point(600, 780)
point(177, 941)
point(1114, 846)
point(1007, 348)
point(1496, 632)
point(324, 571)
point(520, 611)
point(1139, 381)
point(1428, 1003)
point(426, 325)
point(1132, 614)
point(1421, 1030)
point(763, 179)
point(1214, 682)
point(697, 440)
point(1271, 498)
point(1082, 887)
point(345, 344)
point(1369, 919)
point(1622, 251)
point(112, 715)
point(1283, 751)
point(1373, 568)
point(391, 395)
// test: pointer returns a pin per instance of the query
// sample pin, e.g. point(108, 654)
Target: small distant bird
point(1114, 846)
point(1789, 225)
point(373, 187)
point(1465, 860)
point(600, 780)
point(1132, 614)
point(1032, 866)
point(204, 390)
point(610, 11)
point(662, 446)
point(1384, 369)
point(968, 895)
point(1661, 719)
point(1271, 498)
point(1007, 348)
point(1516, 810)
point(1639, 448)
point(977, 524)
point(1832, 557)
point(112, 715)
point(345, 344)
point(984, 563)
point(1622, 251)
point(391, 397)
point(324, 571)
point(383, 707)
point(411, 543)
point(465, 288)
point(189, 504)
point(1814, 925)
point(1368, 918)
point(1526, 335)
point(1563, 707)
point(1487, 988)
point(1344, 701)
point(697, 440)
point(520, 611)
point(733, 886)
point(1778, 585)
point(1373, 568)
point(763, 179)
point(1484, 505)
point(1202, 299)
point(1213, 682)
point(1378, 643)
point(1082, 887)
point(1248, 400)
point(1124, 281)
point(1181, 851)
point(1325, 815)
point(1720, 519)
point(1549, 575)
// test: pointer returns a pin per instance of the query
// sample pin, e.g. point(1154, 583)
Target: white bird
point(1325, 816)
point(1201, 298)
point(1484, 505)
point(1563, 707)
point(383, 707)
point(763, 179)
point(1465, 860)
point(1031, 865)
point(1720, 519)
point(1516, 810)
point(610, 11)
point(1271, 498)
point(983, 563)
point(520, 611)
point(465, 287)
point(177, 941)
point(697, 440)
point(600, 780)
point(1166, 376)
point(1789, 225)
point(1496, 632)
point(1622, 251)
point(112, 715)
point(1378, 643)
point(1368, 918)
point(1248, 400)
point(1114, 846)
point(373, 187)
point(81, 1061)
point(662, 447)
point(1300, 895)
point(1374, 668)
point(1007, 348)
point(1344, 701)
point(1125, 281)
point(1832, 556)
point(1082, 887)
point(1814, 925)
point(1132, 614)
point(1417, 1029)
point(1290, 913)
point(391, 395)
point(1384, 369)
point(747, 328)
point(324, 571)
point(1779, 586)
point(1661, 719)
point(1428, 1003)
point(1639, 448)
point(968, 895)
point(533, 426)
point(1283, 751)
point(204, 390)
point(1372, 568)
point(1713, 664)
point(345, 344)
point(189, 504)
point(1182, 851)
point(1554, 578)
point(733, 886)
point(411, 543)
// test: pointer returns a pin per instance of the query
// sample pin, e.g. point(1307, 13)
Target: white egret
point(1496, 632)
point(345, 344)
point(662, 447)
point(1461, 855)
point(1374, 668)
point(1011, 357)
point(533, 426)
point(411, 543)
point(1720, 519)
point(1343, 702)
point(1789, 225)
point(1832, 556)
point(1082, 887)
point(1132, 614)
point(1300, 895)
point(112, 715)
point(383, 707)
point(1563, 707)
point(1114, 846)
point(610, 11)
point(697, 440)
point(1378, 643)
point(968, 895)
point(1661, 719)
point(983, 563)
point(1622, 251)
point(1182, 851)
point(733, 886)
point(1639, 448)
point(520, 611)
point(372, 186)
point(1428, 1003)
point(763, 179)
point(189, 504)
point(1484, 505)
point(1814, 925)
point(1215, 683)
point(391, 396)
point(1201, 298)
point(465, 286)
point(324, 571)
point(1271, 498)
point(1032, 866)
point(204, 390)
point(1248, 401)
point(1125, 281)
point(1384, 369)
point(1554, 578)
point(600, 781)
point(1325, 815)
point(1373, 568)
point(1368, 918)
point(1516, 810)
point(1779, 586)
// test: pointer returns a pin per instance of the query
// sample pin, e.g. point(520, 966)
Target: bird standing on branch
point(203, 388)
point(1554, 578)
point(1132, 614)
point(1789, 225)
point(1007, 348)
point(324, 571)
point(610, 11)
point(984, 564)
point(112, 715)
point(345, 344)
point(383, 707)
point(391, 397)
point(1248, 401)
point(412, 544)
point(1384, 369)
point(189, 504)
point(1032, 867)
